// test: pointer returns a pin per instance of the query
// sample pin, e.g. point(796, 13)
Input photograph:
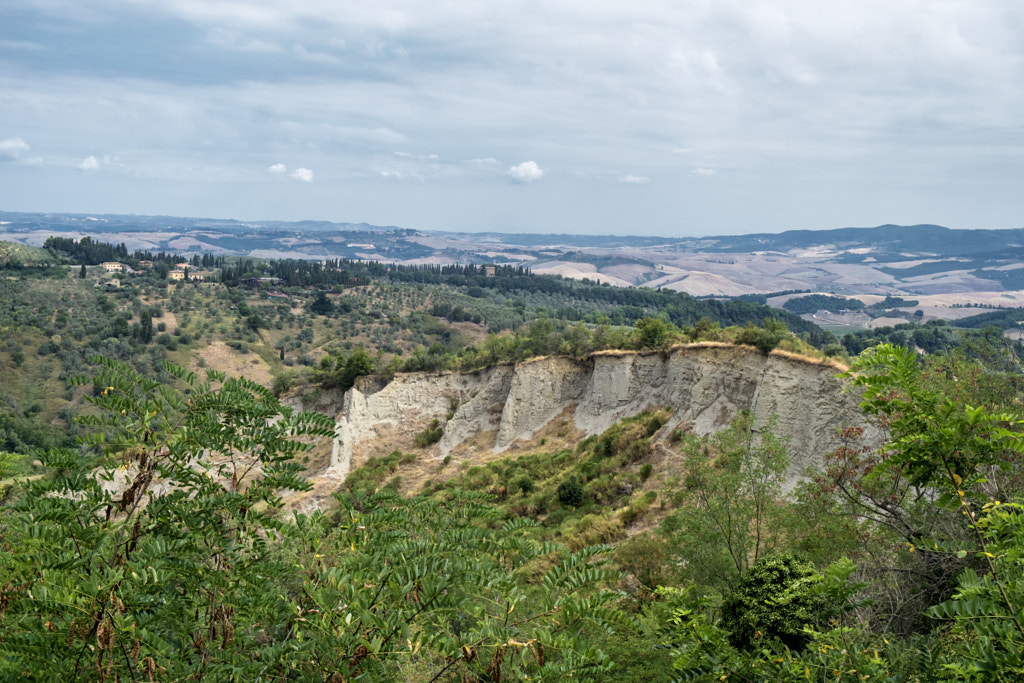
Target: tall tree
point(733, 516)
point(146, 326)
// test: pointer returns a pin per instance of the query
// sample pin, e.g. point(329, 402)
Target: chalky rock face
point(706, 385)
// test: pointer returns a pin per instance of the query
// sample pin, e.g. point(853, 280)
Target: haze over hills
point(965, 266)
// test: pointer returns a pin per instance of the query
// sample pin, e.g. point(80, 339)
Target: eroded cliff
point(706, 385)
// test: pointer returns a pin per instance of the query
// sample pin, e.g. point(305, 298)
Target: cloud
point(303, 174)
point(635, 179)
point(406, 176)
point(526, 172)
point(89, 164)
point(421, 157)
point(12, 148)
point(873, 89)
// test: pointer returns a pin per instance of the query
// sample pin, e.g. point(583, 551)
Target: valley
point(923, 260)
point(610, 453)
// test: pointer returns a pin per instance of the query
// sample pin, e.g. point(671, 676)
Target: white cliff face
point(539, 391)
point(705, 386)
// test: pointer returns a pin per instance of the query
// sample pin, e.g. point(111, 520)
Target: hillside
point(921, 260)
point(15, 254)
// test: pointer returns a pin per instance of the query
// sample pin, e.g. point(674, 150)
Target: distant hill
point(105, 223)
point(897, 260)
point(933, 240)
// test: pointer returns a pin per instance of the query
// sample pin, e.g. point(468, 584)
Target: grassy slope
point(630, 477)
point(13, 253)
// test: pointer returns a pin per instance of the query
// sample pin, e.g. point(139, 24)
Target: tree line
point(90, 252)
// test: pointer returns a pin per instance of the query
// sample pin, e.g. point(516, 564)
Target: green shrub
point(645, 471)
point(430, 435)
point(637, 450)
point(773, 600)
point(570, 492)
point(524, 483)
point(637, 509)
point(654, 423)
point(648, 558)
point(589, 470)
point(556, 517)
point(834, 349)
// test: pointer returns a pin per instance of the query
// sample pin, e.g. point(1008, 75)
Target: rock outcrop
point(705, 384)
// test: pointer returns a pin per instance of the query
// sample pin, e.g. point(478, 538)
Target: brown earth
point(219, 356)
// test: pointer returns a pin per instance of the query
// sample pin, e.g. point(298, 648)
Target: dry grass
point(708, 345)
point(318, 459)
point(592, 530)
point(477, 450)
point(614, 353)
point(219, 356)
point(811, 360)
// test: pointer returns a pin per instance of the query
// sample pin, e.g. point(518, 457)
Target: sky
point(645, 117)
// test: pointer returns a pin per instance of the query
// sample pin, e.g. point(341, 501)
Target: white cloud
point(12, 148)
point(277, 169)
point(420, 157)
point(703, 171)
point(634, 179)
point(89, 164)
point(303, 174)
point(405, 176)
point(526, 172)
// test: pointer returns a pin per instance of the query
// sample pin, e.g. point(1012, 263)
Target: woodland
point(145, 534)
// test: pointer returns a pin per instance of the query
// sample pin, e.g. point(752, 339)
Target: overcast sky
point(682, 117)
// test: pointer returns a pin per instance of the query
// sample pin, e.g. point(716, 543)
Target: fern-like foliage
point(159, 551)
